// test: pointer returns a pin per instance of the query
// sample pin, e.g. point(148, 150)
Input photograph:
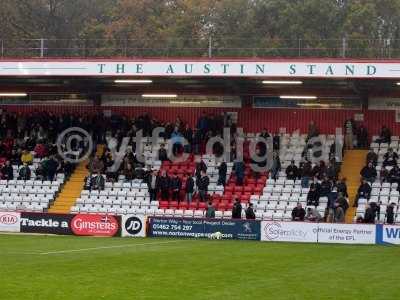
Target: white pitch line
point(105, 247)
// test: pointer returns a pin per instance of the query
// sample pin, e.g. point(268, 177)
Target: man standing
point(202, 185)
point(222, 169)
point(98, 182)
point(250, 215)
point(237, 209)
point(152, 182)
point(163, 186)
point(176, 185)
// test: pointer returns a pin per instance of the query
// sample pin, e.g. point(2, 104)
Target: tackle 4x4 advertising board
point(79, 224)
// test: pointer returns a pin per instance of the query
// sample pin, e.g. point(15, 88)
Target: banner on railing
point(317, 232)
point(204, 228)
point(133, 226)
point(80, 224)
point(387, 234)
point(10, 221)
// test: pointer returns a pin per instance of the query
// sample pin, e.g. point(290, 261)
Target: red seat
point(221, 206)
point(174, 204)
point(163, 204)
point(183, 205)
point(193, 205)
point(202, 205)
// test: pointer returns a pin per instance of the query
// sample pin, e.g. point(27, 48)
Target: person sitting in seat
point(364, 191)
point(394, 175)
point(292, 171)
point(390, 158)
point(98, 182)
point(385, 136)
point(372, 157)
point(369, 173)
point(313, 215)
point(24, 172)
point(7, 172)
point(298, 213)
point(338, 213)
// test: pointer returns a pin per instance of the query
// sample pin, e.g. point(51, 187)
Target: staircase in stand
point(354, 161)
point(72, 188)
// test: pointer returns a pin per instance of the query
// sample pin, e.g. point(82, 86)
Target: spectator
point(189, 188)
point(390, 158)
point(385, 136)
point(250, 215)
point(24, 172)
point(176, 185)
point(362, 137)
point(342, 187)
point(50, 167)
point(210, 212)
point(372, 157)
point(326, 187)
point(348, 133)
point(342, 202)
point(26, 157)
point(276, 165)
point(202, 185)
point(129, 172)
point(96, 165)
point(298, 213)
point(390, 213)
point(369, 173)
point(331, 172)
point(237, 209)
point(200, 166)
point(98, 182)
point(332, 198)
point(364, 191)
point(152, 185)
point(319, 171)
point(239, 168)
point(338, 215)
point(162, 153)
point(312, 130)
point(7, 172)
point(369, 215)
point(292, 171)
point(222, 169)
point(164, 185)
point(313, 196)
point(305, 173)
point(394, 175)
point(188, 135)
point(313, 215)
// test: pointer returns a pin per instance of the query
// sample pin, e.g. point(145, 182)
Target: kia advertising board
point(95, 225)
point(10, 221)
point(387, 234)
point(289, 232)
point(346, 233)
point(46, 223)
point(133, 226)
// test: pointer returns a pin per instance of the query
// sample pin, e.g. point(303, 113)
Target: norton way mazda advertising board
point(81, 224)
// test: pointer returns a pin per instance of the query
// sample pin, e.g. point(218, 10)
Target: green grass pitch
point(66, 267)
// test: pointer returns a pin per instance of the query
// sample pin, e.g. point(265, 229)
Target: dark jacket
point(163, 183)
point(364, 191)
point(98, 182)
point(313, 197)
point(222, 169)
point(369, 216)
point(298, 214)
point(292, 172)
point(250, 215)
point(390, 215)
point(7, 172)
point(237, 211)
point(24, 173)
point(175, 183)
point(202, 183)
point(368, 172)
point(189, 185)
